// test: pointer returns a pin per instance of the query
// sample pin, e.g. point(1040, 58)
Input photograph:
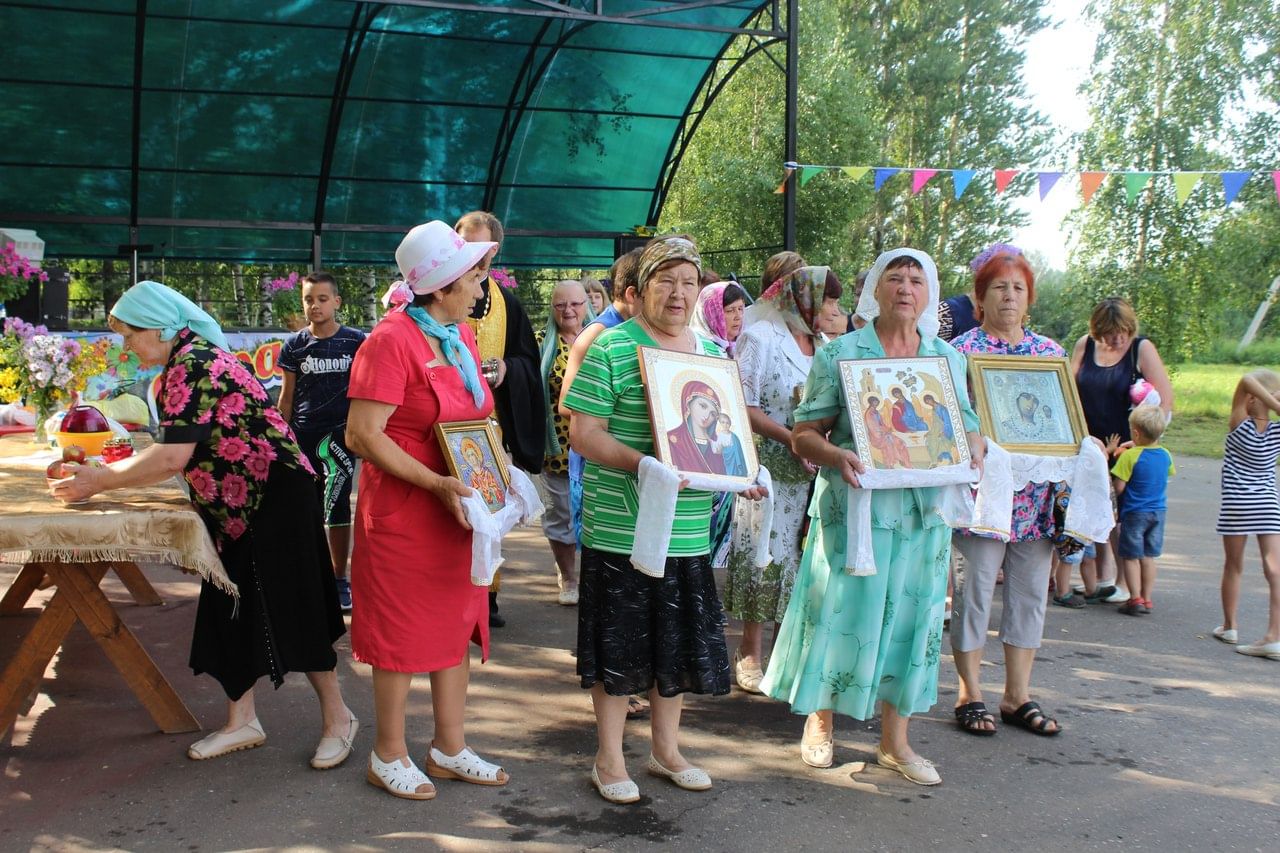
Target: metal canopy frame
point(561, 23)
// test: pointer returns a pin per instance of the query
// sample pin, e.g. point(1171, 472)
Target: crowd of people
point(273, 484)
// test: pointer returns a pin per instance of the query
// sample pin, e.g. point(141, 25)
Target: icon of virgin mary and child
point(704, 442)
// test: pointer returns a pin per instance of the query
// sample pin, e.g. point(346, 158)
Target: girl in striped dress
point(1250, 504)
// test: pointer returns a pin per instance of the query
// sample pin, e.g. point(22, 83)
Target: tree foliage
point(891, 82)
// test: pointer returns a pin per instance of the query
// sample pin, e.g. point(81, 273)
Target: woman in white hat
point(414, 606)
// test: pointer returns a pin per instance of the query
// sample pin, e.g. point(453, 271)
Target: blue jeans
point(1141, 535)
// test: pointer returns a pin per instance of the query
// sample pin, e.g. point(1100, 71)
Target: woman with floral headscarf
point(849, 642)
point(638, 633)
point(775, 352)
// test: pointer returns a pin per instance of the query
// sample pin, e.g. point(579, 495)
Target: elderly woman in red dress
point(415, 608)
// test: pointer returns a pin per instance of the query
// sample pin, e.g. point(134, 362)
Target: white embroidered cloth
point(658, 491)
point(955, 505)
point(487, 529)
point(1088, 518)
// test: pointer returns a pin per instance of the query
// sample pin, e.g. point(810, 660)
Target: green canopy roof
point(253, 130)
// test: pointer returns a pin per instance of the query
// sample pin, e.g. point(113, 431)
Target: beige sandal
point(247, 736)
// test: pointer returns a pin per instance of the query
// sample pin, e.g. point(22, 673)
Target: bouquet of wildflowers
point(16, 273)
point(40, 369)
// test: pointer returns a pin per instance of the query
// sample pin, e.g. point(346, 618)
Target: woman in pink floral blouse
point(1005, 288)
point(255, 491)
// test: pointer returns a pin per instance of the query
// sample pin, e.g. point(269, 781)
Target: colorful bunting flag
point(782, 187)
point(960, 178)
point(1135, 183)
point(883, 175)
point(1089, 183)
point(1047, 180)
point(1003, 177)
point(807, 173)
point(1184, 183)
point(1275, 178)
point(855, 172)
point(1232, 183)
point(920, 177)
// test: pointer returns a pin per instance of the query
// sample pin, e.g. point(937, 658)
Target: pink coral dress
point(414, 606)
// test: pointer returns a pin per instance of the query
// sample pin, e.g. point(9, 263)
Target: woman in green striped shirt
point(637, 634)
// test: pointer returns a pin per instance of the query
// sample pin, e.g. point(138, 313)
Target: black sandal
point(971, 716)
point(1032, 718)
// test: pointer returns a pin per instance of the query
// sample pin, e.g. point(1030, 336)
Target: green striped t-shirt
point(608, 386)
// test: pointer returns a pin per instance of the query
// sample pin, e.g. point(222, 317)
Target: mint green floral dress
point(848, 642)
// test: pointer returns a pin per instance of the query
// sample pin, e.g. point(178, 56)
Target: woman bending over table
point(256, 493)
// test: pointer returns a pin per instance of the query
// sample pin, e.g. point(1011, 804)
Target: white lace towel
point(955, 505)
point(487, 529)
point(658, 490)
point(1089, 512)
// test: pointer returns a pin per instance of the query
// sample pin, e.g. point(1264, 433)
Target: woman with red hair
point(1005, 287)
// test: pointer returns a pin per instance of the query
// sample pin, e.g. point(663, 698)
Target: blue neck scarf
point(455, 351)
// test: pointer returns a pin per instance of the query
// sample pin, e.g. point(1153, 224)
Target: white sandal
point(615, 792)
point(465, 766)
point(398, 780)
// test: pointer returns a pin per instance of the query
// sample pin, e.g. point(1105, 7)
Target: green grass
point(1202, 406)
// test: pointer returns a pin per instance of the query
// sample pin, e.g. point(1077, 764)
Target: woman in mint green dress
point(848, 642)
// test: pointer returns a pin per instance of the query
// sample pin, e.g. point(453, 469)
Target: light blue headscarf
point(454, 350)
point(151, 305)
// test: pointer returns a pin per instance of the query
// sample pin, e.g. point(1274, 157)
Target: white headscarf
point(869, 308)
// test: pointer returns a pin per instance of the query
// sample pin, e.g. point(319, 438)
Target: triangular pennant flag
point(1089, 183)
point(1136, 182)
point(855, 172)
point(920, 177)
point(1047, 180)
point(1232, 182)
point(1275, 178)
point(1003, 177)
point(960, 178)
point(1184, 183)
point(782, 187)
point(807, 173)
point(883, 175)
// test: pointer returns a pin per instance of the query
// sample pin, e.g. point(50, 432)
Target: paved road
point(1170, 743)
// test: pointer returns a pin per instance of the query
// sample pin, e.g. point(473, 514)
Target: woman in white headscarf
point(849, 642)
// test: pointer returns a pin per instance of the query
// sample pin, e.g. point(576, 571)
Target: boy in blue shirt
point(1142, 478)
point(317, 369)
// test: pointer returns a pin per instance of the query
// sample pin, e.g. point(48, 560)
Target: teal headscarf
point(151, 305)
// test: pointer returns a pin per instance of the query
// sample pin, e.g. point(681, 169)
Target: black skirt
point(636, 632)
point(287, 617)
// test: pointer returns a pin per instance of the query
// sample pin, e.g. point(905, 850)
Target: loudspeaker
point(624, 243)
point(54, 295)
point(44, 305)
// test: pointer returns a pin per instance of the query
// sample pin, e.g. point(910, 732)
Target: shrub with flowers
point(16, 273)
point(504, 278)
point(284, 295)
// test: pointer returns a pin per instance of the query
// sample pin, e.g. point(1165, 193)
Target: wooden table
point(72, 548)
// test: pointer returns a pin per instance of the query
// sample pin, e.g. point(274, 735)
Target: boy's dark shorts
point(1141, 535)
point(336, 466)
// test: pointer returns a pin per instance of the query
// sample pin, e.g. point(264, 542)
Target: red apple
point(73, 453)
point(85, 419)
point(57, 470)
